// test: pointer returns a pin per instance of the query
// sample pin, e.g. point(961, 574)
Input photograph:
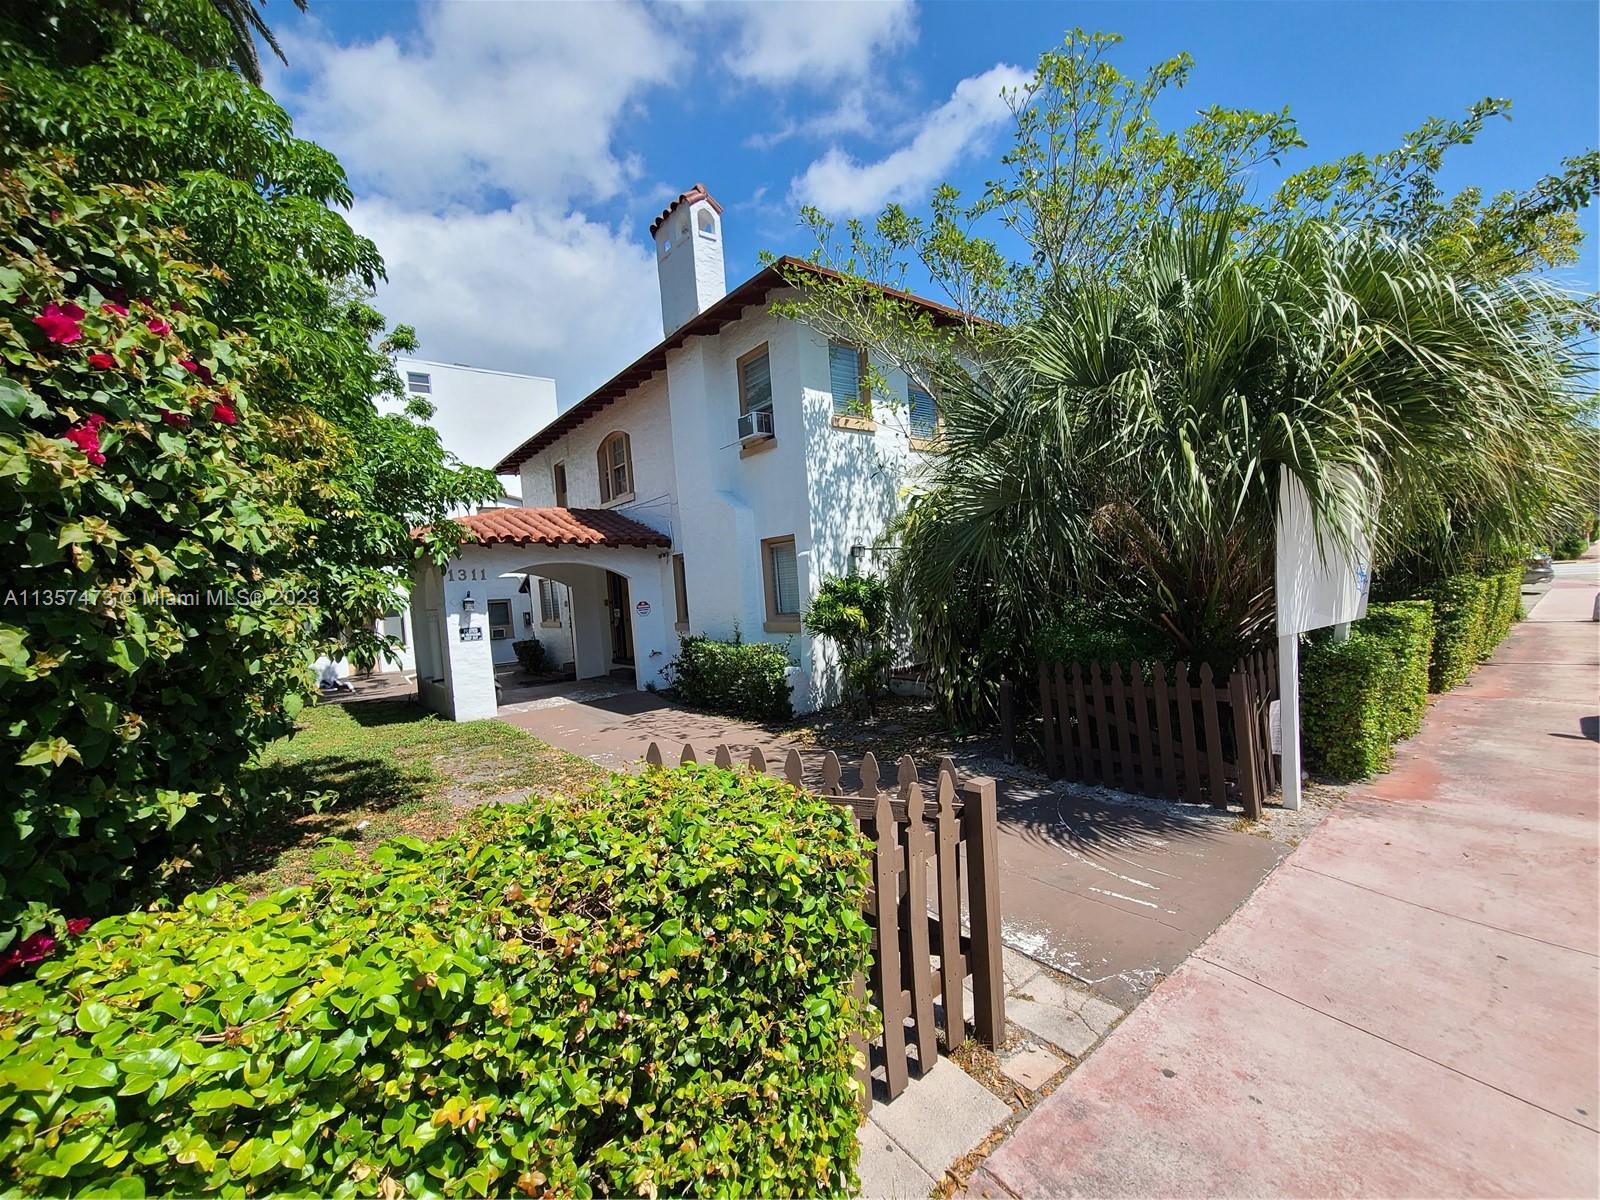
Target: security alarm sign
point(642, 608)
point(472, 633)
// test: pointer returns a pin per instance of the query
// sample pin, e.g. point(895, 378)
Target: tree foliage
point(143, 94)
point(852, 611)
point(151, 629)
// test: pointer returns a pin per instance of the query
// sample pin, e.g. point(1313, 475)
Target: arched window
point(615, 460)
point(707, 223)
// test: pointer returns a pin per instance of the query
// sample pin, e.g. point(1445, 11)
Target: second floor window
point(755, 382)
point(616, 468)
point(419, 383)
point(558, 474)
point(847, 370)
point(924, 413)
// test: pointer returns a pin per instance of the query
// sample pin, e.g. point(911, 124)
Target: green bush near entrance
point(1361, 696)
point(735, 678)
point(1472, 615)
point(647, 990)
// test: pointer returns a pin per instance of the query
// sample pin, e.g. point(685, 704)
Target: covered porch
point(618, 575)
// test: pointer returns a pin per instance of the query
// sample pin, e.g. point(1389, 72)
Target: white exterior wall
point(689, 263)
point(480, 413)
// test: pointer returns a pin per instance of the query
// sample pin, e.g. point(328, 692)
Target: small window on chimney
point(707, 223)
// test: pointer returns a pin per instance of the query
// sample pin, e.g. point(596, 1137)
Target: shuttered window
point(782, 578)
point(549, 603)
point(846, 367)
point(755, 382)
point(924, 413)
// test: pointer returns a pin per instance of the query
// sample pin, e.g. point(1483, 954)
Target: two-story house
point(707, 487)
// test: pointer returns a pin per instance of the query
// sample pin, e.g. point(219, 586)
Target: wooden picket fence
point(936, 856)
point(1186, 737)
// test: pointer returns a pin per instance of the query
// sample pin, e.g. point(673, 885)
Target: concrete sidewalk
point(1409, 1006)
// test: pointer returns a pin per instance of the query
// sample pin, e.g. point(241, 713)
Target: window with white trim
point(615, 461)
point(549, 603)
point(499, 620)
point(847, 375)
point(419, 383)
point(781, 573)
point(755, 382)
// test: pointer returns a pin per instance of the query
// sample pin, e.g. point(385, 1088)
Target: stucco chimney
point(688, 236)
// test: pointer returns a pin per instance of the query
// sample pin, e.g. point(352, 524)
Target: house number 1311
point(457, 573)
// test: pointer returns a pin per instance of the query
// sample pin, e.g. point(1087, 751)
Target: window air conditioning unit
point(755, 426)
point(498, 633)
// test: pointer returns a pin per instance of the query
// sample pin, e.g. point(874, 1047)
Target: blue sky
point(508, 157)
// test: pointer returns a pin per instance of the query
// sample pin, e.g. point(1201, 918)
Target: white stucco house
point(707, 487)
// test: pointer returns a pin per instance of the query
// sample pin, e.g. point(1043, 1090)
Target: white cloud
point(518, 289)
point(486, 101)
point(840, 185)
point(817, 44)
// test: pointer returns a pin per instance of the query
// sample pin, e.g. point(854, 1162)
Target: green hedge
point(735, 678)
point(647, 990)
point(1472, 615)
point(1360, 696)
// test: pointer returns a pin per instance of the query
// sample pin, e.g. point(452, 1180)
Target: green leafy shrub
point(152, 635)
point(1086, 633)
point(735, 678)
point(852, 611)
point(1361, 696)
point(644, 991)
point(1504, 609)
point(530, 655)
point(1464, 624)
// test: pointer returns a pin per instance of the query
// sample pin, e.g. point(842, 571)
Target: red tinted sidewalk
point(1409, 1006)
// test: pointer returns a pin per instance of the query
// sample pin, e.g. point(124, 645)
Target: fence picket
point(1071, 758)
point(1141, 721)
point(1208, 713)
point(1080, 713)
point(1052, 764)
point(886, 959)
point(1188, 749)
point(792, 770)
point(758, 760)
point(915, 918)
point(723, 758)
point(1244, 744)
point(1124, 738)
point(951, 965)
point(830, 775)
point(687, 756)
point(983, 899)
point(652, 756)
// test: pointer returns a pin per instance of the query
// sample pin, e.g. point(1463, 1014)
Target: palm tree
point(1125, 447)
point(247, 25)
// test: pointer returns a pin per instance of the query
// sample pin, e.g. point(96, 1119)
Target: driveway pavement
point(1115, 895)
point(1409, 1006)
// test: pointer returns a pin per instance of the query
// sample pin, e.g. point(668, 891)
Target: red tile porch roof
point(730, 308)
point(560, 527)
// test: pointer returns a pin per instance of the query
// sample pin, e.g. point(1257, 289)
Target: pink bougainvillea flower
point(225, 414)
point(158, 327)
point(111, 306)
point(60, 323)
point(101, 361)
point(200, 369)
point(77, 925)
point(86, 437)
point(168, 417)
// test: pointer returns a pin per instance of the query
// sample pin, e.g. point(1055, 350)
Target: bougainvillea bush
point(644, 991)
point(150, 637)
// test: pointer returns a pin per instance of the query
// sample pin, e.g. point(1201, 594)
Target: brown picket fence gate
point(937, 856)
point(1188, 738)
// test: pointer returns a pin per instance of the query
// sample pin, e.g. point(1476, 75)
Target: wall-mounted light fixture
point(466, 603)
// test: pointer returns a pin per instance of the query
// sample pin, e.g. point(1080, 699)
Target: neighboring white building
point(475, 410)
point(708, 487)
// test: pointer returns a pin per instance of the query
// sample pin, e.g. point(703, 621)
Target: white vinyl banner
point(1321, 580)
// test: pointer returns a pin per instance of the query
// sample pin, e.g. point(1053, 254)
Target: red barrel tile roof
point(560, 527)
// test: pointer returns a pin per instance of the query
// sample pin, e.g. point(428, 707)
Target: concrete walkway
point(1409, 1006)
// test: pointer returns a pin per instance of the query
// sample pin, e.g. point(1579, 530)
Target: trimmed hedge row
point(736, 678)
point(1472, 615)
point(644, 991)
point(1361, 696)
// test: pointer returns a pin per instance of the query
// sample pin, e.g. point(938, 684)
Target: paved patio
point(1116, 895)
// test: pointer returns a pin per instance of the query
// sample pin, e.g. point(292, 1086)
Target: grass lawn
point(388, 767)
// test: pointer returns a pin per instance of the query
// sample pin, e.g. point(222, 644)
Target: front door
point(621, 618)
